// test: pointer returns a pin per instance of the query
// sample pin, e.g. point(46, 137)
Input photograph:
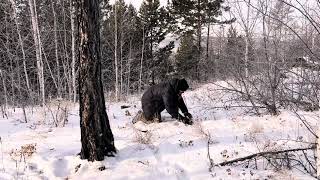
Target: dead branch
point(263, 154)
point(228, 107)
point(309, 161)
point(124, 106)
point(306, 124)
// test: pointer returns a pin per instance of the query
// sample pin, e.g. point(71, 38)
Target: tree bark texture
point(96, 136)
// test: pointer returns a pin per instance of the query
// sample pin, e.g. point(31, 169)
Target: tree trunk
point(9, 55)
point(318, 151)
point(115, 51)
point(49, 67)
point(41, 66)
point(246, 55)
point(121, 58)
point(208, 38)
point(121, 65)
point(207, 51)
point(141, 61)
point(5, 94)
point(66, 62)
point(73, 49)
point(129, 67)
point(96, 136)
point(22, 49)
point(37, 41)
point(58, 83)
point(151, 54)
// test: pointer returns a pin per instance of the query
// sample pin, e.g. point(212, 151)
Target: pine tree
point(153, 19)
point(129, 37)
point(234, 52)
point(192, 15)
point(186, 57)
point(132, 47)
point(163, 65)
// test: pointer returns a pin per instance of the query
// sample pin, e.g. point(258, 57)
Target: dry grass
point(201, 131)
point(58, 111)
point(256, 128)
point(25, 151)
point(143, 137)
point(20, 157)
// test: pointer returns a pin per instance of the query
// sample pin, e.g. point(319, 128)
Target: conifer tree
point(234, 51)
point(186, 57)
point(155, 23)
point(192, 15)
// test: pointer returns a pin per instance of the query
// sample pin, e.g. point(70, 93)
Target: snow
point(167, 150)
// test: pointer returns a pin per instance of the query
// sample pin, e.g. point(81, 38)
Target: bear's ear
point(183, 81)
point(183, 85)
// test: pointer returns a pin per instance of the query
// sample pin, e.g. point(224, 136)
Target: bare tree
point(73, 50)
point(21, 43)
point(5, 94)
point(58, 81)
point(141, 62)
point(247, 21)
point(116, 53)
point(285, 71)
point(37, 42)
point(318, 155)
point(129, 67)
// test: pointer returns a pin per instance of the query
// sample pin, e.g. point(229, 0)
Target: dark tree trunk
point(96, 136)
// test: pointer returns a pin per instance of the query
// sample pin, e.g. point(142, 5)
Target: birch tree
point(73, 51)
point(116, 53)
point(141, 60)
point(21, 43)
point(58, 81)
point(37, 42)
point(247, 20)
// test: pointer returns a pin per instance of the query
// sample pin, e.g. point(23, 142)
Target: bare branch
point(290, 28)
point(262, 154)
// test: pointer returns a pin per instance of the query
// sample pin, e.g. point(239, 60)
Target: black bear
point(166, 95)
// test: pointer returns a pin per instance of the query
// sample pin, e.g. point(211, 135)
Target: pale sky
point(137, 3)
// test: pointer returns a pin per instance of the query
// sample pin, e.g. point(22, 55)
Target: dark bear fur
point(166, 95)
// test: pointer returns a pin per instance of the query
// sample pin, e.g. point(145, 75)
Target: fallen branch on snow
point(263, 154)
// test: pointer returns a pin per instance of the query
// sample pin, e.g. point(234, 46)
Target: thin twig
point(208, 155)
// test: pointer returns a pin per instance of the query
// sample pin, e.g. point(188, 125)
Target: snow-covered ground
point(168, 150)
